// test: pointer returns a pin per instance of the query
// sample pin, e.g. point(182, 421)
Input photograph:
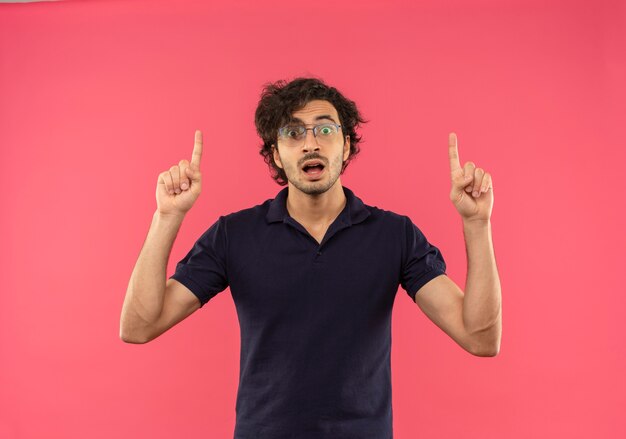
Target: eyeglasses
point(294, 135)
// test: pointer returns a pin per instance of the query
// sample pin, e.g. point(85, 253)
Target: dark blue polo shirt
point(315, 319)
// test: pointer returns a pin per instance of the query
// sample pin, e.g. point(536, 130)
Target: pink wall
point(98, 97)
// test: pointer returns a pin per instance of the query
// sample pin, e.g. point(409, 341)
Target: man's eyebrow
point(323, 116)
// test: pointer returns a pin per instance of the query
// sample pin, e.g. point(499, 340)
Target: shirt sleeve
point(203, 269)
point(422, 261)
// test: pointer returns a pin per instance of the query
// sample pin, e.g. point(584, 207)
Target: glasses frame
point(315, 130)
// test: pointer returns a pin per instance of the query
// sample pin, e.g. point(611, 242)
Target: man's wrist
point(169, 218)
point(476, 228)
point(476, 225)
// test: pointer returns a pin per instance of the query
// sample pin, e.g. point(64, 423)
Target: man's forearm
point(146, 289)
point(482, 304)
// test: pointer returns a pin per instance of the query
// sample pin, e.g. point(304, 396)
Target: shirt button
point(319, 253)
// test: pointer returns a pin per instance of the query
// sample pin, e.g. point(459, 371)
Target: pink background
point(98, 97)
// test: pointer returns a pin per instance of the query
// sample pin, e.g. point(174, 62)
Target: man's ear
point(346, 148)
point(276, 156)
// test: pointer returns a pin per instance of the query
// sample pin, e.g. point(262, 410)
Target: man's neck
point(316, 210)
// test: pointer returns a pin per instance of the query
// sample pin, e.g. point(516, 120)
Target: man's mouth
point(313, 168)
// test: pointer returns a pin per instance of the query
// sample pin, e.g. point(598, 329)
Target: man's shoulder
point(252, 213)
point(384, 215)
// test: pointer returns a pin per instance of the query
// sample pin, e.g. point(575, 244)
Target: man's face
point(332, 154)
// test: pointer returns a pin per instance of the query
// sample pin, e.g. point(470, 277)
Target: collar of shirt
point(353, 213)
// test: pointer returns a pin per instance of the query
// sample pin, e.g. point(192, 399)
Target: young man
point(313, 274)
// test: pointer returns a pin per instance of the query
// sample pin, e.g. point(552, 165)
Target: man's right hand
point(179, 187)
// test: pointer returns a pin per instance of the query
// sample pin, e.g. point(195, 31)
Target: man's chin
point(314, 187)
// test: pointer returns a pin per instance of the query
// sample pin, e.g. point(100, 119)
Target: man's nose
point(310, 142)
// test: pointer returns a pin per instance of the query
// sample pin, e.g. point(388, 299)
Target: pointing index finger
point(197, 150)
point(453, 153)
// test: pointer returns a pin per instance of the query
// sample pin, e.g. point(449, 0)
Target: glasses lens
point(292, 134)
point(326, 132)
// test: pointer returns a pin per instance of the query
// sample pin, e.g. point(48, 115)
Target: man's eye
point(327, 129)
point(293, 132)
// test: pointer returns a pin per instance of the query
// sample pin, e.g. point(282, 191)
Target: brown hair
point(281, 98)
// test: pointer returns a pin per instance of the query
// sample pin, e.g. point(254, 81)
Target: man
point(314, 273)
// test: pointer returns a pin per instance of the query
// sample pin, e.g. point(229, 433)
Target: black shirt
point(315, 319)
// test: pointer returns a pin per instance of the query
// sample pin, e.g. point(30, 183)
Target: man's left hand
point(472, 188)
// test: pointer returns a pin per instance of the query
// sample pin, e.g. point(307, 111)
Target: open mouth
point(313, 169)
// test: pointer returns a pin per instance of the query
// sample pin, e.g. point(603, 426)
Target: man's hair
point(281, 98)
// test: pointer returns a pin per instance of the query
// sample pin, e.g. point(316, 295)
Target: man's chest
point(293, 273)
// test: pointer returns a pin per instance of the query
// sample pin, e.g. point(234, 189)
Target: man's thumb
point(193, 174)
